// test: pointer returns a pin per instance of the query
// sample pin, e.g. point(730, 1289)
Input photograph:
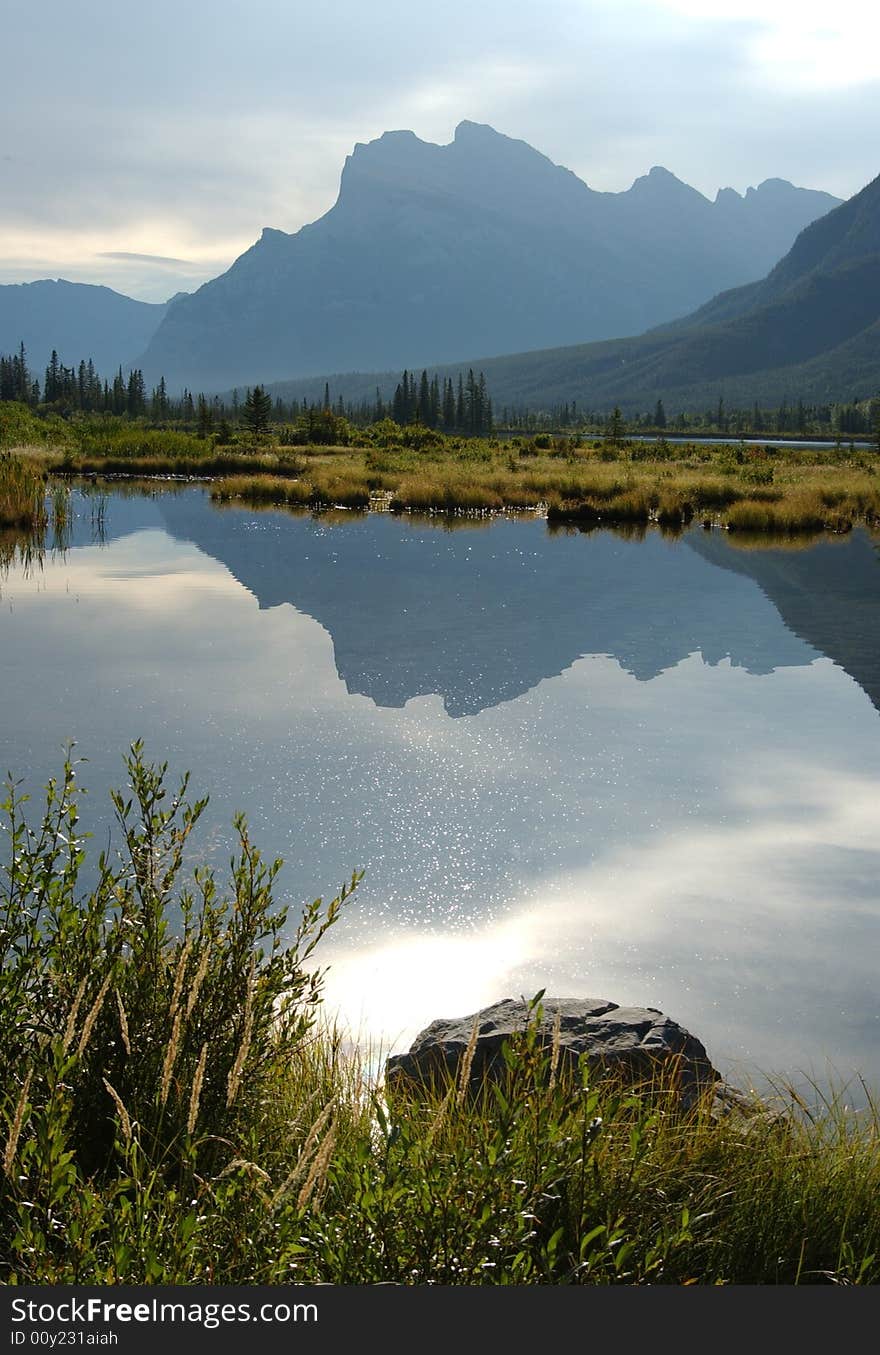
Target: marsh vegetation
point(410, 467)
point(756, 489)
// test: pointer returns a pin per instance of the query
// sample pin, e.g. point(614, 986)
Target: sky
point(146, 149)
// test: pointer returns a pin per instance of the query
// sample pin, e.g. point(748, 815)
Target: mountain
point(480, 246)
point(809, 330)
point(78, 320)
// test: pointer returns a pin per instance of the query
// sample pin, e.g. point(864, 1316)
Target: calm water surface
point(647, 770)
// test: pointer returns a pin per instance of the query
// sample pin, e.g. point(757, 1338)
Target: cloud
point(143, 258)
point(804, 43)
point(181, 132)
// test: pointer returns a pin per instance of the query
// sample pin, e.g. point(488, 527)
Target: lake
point(641, 768)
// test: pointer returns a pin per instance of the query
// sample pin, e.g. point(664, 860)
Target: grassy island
point(173, 1108)
point(571, 478)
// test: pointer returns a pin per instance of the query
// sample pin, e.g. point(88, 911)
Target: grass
point(22, 493)
point(746, 489)
point(318, 491)
point(31, 506)
point(784, 492)
point(173, 1108)
point(202, 463)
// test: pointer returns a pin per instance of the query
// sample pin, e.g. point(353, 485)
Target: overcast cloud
point(145, 150)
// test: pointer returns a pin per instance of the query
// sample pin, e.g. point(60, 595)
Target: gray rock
point(636, 1042)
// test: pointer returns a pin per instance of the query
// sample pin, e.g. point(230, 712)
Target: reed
point(22, 494)
point(425, 494)
point(320, 489)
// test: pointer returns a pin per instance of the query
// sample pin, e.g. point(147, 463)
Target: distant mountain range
point(78, 320)
point(809, 330)
point(462, 255)
point(483, 246)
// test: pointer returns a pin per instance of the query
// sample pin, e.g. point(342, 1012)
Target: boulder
point(635, 1042)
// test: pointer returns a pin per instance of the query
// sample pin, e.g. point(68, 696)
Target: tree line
point(463, 406)
point(459, 406)
point(856, 418)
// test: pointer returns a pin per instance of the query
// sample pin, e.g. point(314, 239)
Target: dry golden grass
point(748, 490)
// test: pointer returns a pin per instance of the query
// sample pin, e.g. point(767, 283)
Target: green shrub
point(146, 1023)
point(20, 427)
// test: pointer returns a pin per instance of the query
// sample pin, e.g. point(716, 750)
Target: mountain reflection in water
point(482, 617)
point(635, 769)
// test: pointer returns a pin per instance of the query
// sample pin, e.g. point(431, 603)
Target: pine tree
point(615, 428)
point(204, 418)
point(423, 404)
point(484, 409)
point(22, 375)
point(398, 408)
point(135, 399)
point(448, 405)
point(120, 393)
point(51, 385)
point(256, 411)
point(159, 402)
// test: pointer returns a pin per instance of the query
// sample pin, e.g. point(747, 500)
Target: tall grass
point(750, 490)
point(22, 493)
point(173, 1108)
point(318, 490)
point(198, 461)
point(784, 492)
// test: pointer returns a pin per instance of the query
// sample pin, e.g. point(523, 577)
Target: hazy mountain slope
point(481, 246)
point(810, 330)
point(78, 320)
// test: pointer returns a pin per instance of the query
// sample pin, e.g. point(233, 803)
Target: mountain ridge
point(480, 245)
point(79, 320)
point(808, 330)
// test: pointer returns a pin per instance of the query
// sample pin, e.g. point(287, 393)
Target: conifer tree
point(615, 427)
point(204, 418)
point(256, 410)
point(423, 404)
point(448, 405)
